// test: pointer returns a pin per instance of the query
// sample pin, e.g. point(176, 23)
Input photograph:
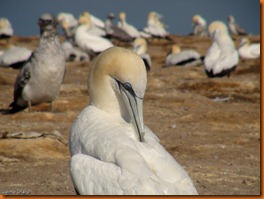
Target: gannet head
point(47, 23)
point(221, 26)
point(122, 16)
point(175, 49)
point(244, 41)
point(231, 19)
point(85, 19)
point(195, 18)
point(117, 82)
point(140, 45)
point(4, 23)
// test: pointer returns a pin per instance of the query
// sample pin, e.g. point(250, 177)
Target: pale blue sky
point(24, 14)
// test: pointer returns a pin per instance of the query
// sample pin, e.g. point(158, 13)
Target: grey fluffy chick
point(40, 78)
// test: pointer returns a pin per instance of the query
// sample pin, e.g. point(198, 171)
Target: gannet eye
point(127, 86)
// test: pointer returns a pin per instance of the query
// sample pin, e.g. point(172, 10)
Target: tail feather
point(13, 108)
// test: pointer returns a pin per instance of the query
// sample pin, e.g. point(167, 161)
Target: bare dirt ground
point(211, 126)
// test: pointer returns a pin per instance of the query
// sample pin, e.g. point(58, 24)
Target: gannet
point(221, 58)
point(87, 41)
point(40, 78)
point(94, 28)
point(140, 47)
point(115, 32)
point(68, 24)
point(199, 26)
point(155, 27)
point(14, 56)
point(128, 28)
point(248, 50)
point(112, 151)
point(97, 22)
point(177, 57)
point(234, 27)
point(6, 29)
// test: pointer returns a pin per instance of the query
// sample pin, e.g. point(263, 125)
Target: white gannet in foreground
point(222, 57)
point(131, 30)
point(247, 50)
point(140, 47)
point(40, 78)
point(14, 56)
point(68, 24)
point(88, 41)
point(183, 58)
point(199, 26)
point(6, 29)
point(112, 151)
point(234, 27)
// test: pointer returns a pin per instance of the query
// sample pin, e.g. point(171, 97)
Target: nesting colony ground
point(211, 126)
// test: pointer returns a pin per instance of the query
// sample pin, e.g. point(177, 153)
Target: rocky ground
point(211, 126)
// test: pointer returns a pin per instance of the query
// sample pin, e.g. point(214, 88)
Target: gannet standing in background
point(140, 47)
point(131, 30)
point(68, 24)
point(155, 27)
point(112, 151)
point(6, 29)
point(114, 32)
point(222, 57)
point(234, 27)
point(96, 28)
point(14, 56)
point(88, 41)
point(40, 78)
point(199, 26)
point(248, 50)
point(183, 58)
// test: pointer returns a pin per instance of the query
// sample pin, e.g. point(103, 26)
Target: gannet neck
point(244, 42)
point(122, 17)
point(117, 82)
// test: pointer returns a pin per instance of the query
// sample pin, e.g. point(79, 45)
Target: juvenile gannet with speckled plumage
point(40, 78)
point(222, 57)
point(131, 30)
point(112, 151)
point(248, 50)
point(183, 58)
point(88, 41)
point(140, 47)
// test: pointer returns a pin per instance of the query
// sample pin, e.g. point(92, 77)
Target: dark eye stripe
point(126, 86)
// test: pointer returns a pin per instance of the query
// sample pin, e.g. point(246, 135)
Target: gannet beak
point(134, 105)
point(136, 48)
